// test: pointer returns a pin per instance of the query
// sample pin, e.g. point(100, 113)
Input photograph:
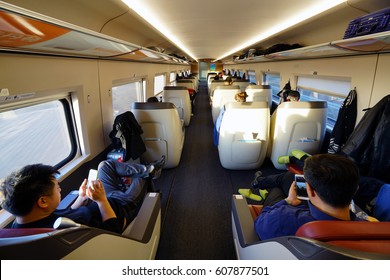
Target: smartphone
point(92, 176)
point(300, 182)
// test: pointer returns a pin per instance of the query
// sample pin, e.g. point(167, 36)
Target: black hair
point(22, 188)
point(333, 177)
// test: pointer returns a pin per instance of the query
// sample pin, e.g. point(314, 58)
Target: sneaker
point(284, 159)
point(157, 167)
point(299, 154)
point(255, 182)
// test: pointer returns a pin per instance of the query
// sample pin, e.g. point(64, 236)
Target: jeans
point(112, 172)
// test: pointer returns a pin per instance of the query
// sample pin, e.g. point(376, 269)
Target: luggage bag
point(375, 22)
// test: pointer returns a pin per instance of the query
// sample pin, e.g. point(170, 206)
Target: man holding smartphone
point(331, 183)
point(33, 194)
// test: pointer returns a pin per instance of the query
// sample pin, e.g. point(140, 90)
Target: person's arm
point(82, 198)
point(98, 194)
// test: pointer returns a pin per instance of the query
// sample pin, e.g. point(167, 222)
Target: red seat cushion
point(16, 232)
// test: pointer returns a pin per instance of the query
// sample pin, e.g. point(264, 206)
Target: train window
point(172, 78)
point(273, 80)
point(38, 133)
point(124, 95)
point(252, 76)
point(332, 90)
point(159, 83)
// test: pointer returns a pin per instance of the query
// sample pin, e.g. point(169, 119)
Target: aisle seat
point(243, 135)
point(259, 93)
point(297, 125)
point(318, 240)
point(180, 97)
point(222, 95)
point(163, 131)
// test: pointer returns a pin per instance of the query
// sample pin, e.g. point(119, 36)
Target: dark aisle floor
point(196, 195)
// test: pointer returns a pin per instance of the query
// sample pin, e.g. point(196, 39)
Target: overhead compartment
point(29, 32)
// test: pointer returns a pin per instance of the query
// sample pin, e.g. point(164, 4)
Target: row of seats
point(224, 94)
point(248, 134)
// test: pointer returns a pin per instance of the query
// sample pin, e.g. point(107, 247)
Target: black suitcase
point(375, 22)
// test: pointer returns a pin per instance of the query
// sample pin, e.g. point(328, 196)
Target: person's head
point(28, 187)
point(241, 97)
point(152, 99)
point(293, 95)
point(334, 178)
point(216, 77)
point(228, 81)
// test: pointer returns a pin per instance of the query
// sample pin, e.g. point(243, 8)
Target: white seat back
point(222, 95)
point(181, 98)
point(297, 125)
point(186, 83)
point(243, 135)
point(214, 84)
point(163, 131)
point(259, 93)
point(241, 83)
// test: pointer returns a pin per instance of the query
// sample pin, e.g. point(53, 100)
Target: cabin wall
point(367, 73)
point(90, 82)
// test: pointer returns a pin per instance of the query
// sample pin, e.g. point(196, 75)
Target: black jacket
point(369, 143)
point(126, 133)
point(345, 123)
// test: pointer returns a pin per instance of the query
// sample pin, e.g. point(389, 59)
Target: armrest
point(68, 200)
point(243, 221)
point(141, 228)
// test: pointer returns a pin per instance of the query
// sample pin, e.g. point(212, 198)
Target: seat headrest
point(152, 105)
point(246, 105)
point(174, 88)
point(250, 86)
point(303, 105)
point(226, 87)
point(345, 230)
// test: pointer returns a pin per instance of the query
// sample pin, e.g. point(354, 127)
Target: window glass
point(252, 76)
point(40, 133)
point(273, 80)
point(333, 91)
point(159, 84)
point(124, 95)
point(172, 78)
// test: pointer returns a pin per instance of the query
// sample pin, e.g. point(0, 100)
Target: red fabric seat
point(17, 232)
point(363, 236)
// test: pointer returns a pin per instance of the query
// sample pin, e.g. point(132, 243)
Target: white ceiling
point(208, 29)
point(213, 28)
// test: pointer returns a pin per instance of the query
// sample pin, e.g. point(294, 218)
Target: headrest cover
point(152, 106)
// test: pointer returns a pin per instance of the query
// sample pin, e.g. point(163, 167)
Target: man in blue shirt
point(331, 183)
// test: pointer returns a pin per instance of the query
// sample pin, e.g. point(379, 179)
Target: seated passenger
point(239, 97)
point(228, 81)
point(152, 99)
point(331, 183)
point(33, 194)
point(293, 96)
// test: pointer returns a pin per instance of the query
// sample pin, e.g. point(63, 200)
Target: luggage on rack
point(375, 22)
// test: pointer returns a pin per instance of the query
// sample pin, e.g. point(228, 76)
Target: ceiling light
point(147, 14)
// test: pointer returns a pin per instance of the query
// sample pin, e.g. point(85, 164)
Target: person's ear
point(42, 202)
point(310, 190)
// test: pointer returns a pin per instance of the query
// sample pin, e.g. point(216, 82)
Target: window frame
point(65, 99)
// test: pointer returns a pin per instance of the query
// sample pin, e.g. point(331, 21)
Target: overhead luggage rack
point(368, 44)
point(25, 31)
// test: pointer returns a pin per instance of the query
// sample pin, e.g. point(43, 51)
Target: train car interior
point(70, 67)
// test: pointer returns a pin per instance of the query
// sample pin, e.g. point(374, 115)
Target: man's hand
point(292, 195)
